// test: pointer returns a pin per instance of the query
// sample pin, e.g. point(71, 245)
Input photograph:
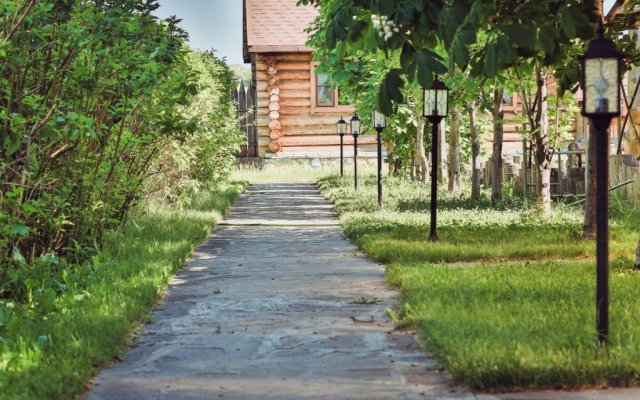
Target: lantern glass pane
point(601, 86)
point(379, 120)
point(355, 127)
point(342, 128)
point(430, 106)
point(442, 102)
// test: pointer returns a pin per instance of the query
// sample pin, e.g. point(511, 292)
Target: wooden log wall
point(286, 121)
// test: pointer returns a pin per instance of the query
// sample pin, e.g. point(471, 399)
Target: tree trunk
point(544, 195)
point(412, 170)
point(637, 264)
point(442, 153)
point(454, 153)
point(475, 154)
point(543, 153)
point(496, 158)
point(421, 153)
point(589, 227)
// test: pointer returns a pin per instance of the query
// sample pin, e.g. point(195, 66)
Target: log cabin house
point(297, 109)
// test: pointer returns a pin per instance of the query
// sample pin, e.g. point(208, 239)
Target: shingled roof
point(275, 26)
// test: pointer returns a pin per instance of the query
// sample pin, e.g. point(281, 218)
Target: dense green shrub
point(97, 98)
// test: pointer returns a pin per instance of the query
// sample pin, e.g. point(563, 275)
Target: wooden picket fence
point(245, 102)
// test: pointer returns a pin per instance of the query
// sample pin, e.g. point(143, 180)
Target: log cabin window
point(324, 98)
point(510, 101)
point(325, 94)
point(507, 99)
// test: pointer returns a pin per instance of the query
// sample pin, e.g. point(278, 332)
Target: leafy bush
point(96, 100)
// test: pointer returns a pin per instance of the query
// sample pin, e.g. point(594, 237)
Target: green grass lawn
point(505, 299)
point(285, 173)
point(49, 349)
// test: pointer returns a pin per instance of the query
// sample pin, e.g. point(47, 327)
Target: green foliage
point(51, 345)
point(207, 156)
point(93, 96)
point(483, 37)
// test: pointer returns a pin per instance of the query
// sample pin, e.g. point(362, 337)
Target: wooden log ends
point(274, 106)
point(275, 125)
point(274, 146)
point(275, 135)
point(273, 80)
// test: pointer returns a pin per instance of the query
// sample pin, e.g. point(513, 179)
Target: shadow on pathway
point(274, 306)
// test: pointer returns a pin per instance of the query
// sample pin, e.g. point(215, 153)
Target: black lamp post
point(436, 105)
point(379, 121)
point(355, 131)
point(601, 102)
point(341, 128)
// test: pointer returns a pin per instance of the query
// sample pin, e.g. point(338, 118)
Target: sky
point(211, 24)
point(606, 5)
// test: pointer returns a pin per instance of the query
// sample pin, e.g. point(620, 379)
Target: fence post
point(252, 137)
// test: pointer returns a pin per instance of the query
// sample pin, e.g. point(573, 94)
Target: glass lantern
point(436, 100)
point(378, 119)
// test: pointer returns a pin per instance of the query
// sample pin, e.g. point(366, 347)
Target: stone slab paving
point(606, 394)
point(270, 307)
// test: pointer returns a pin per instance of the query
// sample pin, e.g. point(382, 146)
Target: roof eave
point(279, 49)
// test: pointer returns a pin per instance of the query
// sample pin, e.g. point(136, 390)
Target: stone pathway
point(274, 306)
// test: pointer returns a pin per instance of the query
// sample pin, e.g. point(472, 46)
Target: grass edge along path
point(497, 322)
point(50, 351)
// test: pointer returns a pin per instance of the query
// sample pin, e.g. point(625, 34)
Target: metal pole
point(525, 178)
point(341, 156)
point(379, 130)
point(355, 161)
point(602, 228)
point(435, 121)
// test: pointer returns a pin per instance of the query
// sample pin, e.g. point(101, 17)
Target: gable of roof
point(275, 26)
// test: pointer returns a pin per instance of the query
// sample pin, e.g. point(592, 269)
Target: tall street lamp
point(436, 106)
point(601, 66)
point(341, 128)
point(379, 121)
point(355, 131)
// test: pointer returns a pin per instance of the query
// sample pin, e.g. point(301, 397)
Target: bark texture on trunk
point(475, 153)
point(543, 152)
point(496, 158)
point(589, 228)
point(420, 151)
point(454, 153)
point(442, 153)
